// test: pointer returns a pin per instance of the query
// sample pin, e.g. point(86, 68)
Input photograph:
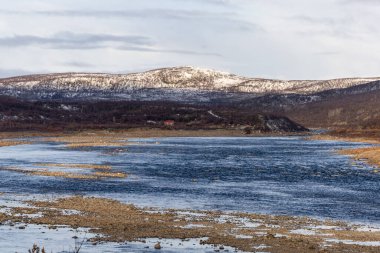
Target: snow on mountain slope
point(178, 78)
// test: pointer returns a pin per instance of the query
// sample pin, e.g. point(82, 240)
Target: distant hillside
point(354, 107)
point(175, 84)
point(346, 102)
point(49, 115)
point(350, 111)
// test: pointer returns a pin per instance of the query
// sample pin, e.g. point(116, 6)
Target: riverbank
point(370, 155)
point(117, 137)
point(118, 222)
point(152, 132)
point(371, 136)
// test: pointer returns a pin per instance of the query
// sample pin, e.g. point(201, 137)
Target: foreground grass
point(371, 154)
point(119, 222)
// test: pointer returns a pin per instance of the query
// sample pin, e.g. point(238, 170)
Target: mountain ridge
point(314, 103)
point(176, 78)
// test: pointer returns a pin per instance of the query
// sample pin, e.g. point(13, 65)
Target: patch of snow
point(280, 235)
point(214, 115)
point(244, 236)
point(368, 229)
point(194, 226)
point(67, 107)
point(360, 243)
point(303, 232)
point(261, 246)
point(325, 227)
point(185, 79)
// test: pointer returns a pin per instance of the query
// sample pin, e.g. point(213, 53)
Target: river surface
point(275, 175)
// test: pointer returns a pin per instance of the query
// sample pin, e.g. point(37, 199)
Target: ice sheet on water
point(63, 240)
point(361, 243)
point(261, 175)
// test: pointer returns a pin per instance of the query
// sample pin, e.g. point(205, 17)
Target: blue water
point(278, 175)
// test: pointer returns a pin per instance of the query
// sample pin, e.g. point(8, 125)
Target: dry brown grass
point(12, 143)
point(76, 165)
point(371, 154)
point(120, 222)
point(83, 140)
point(91, 139)
point(23, 134)
point(96, 144)
point(328, 137)
point(47, 173)
point(62, 174)
point(117, 134)
point(352, 135)
point(110, 174)
point(3, 217)
point(36, 249)
point(372, 136)
point(119, 138)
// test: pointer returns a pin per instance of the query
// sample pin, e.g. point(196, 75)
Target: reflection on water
point(278, 175)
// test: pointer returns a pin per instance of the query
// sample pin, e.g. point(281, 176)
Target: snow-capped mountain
point(320, 103)
point(177, 83)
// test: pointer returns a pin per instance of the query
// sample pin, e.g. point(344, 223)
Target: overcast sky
point(287, 39)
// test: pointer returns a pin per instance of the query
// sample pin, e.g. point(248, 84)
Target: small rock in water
point(157, 245)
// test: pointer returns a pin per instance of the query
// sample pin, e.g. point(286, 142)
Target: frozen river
point(277, 175)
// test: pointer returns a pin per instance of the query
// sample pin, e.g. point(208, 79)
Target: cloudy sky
point(289, 39)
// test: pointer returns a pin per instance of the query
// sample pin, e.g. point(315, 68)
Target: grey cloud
point(333, 33)
point(136, 13)
point(146, 13)
point(225, 18)
point(78, 64)
point(172, 51)
point(214, 2)
point(328, 21)
point(377, 2)
point(338, 27)
point(327, 53)
point(68, 40)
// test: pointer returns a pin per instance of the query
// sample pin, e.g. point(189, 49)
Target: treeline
point(52, 115)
